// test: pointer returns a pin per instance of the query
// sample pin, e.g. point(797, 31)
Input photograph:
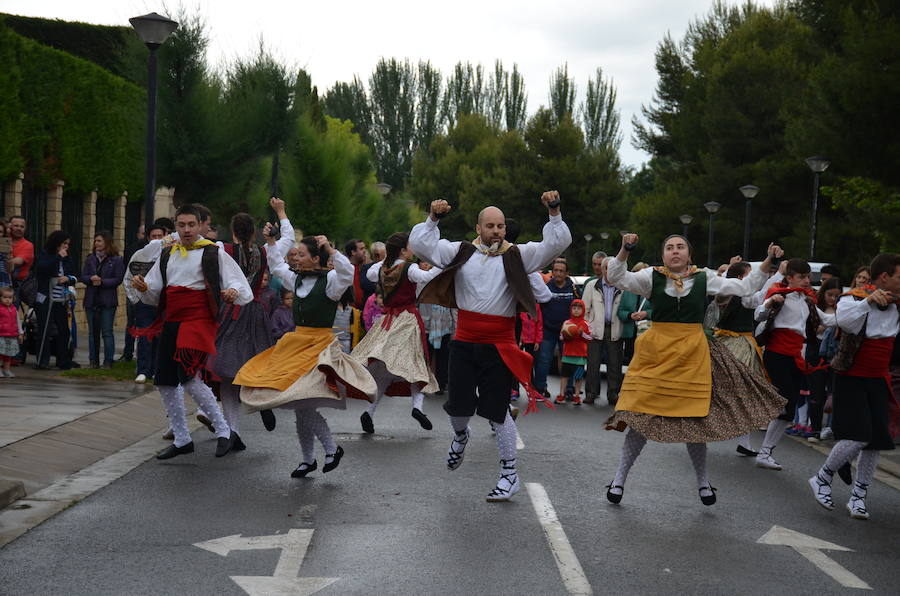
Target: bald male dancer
point(487, 280)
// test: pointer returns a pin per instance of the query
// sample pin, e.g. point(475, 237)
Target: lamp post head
point(383, 187)
point(153, 29)
point(588, 237)
point(604, 235)
point(686, 219)
point(712, 206)
point(818, 164)
point(749, 191)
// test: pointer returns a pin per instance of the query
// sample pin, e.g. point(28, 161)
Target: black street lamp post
point(686, 221)
point(817, 164)
point(749, 191)
point(153, 29)
point(711, 207)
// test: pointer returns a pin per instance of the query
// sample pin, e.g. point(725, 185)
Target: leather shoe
point(590, 399)
point(303, 469)
point(206, 422)
point(367, 425)
point(173, 451)
point(329, 466)
point(169, 436)
point(420, 416)
point(268, 419)
point(224, 445)
point(238, 443)
point(748, 452)
point(613, 497)
point(709, 500)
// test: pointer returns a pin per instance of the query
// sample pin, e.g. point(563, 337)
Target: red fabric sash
point(790, 343)
point(358, 300)
point(196, 339)
point(478, 328)
point(783, 289)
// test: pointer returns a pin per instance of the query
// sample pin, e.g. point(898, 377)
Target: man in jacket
point(554, 313)
point(601, 300)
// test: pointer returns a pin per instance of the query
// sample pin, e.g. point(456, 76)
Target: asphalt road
point(393, 520)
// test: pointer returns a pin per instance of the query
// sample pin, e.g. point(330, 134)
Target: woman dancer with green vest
point(307, 369)
point(682, 387)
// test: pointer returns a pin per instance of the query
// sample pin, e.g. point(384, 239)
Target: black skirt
point(861, 411)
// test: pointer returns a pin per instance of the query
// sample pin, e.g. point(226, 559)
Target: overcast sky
point(335, 39)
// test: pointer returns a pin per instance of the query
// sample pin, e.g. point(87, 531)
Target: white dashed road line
point(569, 568)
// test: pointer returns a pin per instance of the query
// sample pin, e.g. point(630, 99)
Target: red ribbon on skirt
point(479, 328)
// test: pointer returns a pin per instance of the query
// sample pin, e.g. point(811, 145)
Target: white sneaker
point(141, 378)
point(826, 433)
point(9, 374)
point(766, 461)
point(822, 492)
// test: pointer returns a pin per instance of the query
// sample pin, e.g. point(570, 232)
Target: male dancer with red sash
point(866, 414)
point(190, 280)
point(791, 320)
point(488, 281)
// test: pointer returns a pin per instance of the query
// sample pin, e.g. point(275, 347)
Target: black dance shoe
point(611, 496)
point(206, 422)
point(335, 462)
point(238, 443)
point(747, 452)
point(173, 451)
point(303, 469)
point(268, 418)
point(711, 499)
point(224, 444)
point(423, 420)
point(367, 425)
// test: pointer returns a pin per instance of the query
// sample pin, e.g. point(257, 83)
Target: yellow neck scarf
point(677, 278)
point(183, 250)
point(495, 250)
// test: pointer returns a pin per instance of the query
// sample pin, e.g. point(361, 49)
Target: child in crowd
point(575, 334)
point(11, 334)
point(282, 317)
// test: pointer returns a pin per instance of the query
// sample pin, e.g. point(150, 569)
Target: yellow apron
point(670, 374)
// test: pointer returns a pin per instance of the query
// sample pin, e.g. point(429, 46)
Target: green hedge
point(62, 117)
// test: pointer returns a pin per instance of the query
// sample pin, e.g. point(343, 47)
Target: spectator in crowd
point(602, 301)
point(829, 271)
point(282, 317)
point(632, 310)
point(103, 272)
point(355, 250)
point(54, 271)
point(267, 297)
point(554, 313)
point(140, 240)
point(11, 334)
point(378, 251)
point(861, 278)
point(144, 314)
point(22, 250)
point(5, 279)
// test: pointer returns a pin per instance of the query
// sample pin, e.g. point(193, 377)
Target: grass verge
point(120, 371)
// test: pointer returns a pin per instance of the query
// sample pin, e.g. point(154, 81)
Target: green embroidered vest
point(736, 317)
point(315, 309)
point(689, 308)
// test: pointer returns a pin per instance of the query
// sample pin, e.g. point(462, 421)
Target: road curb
point(10, 491)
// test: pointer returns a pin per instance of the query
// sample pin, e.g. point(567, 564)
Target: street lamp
point(686, 221)
point(817, 164)
point(711, 207)
point(153, 29)
point(604, 236)
point(587, 253)
point(749, 191)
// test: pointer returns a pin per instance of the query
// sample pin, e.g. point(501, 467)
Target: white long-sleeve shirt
point(287, 240)
point(415, 274)
point(187, 271)
point(793, 314)
point(542, 293)
point(851, 313)
point(480, 284)
point(339, 279)
point(641, 283)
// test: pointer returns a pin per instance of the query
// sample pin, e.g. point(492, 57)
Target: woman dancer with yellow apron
point(307, 369)
point(682, 387)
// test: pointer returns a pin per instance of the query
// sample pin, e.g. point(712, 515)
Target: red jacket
point(577, 345)
point(532, 328)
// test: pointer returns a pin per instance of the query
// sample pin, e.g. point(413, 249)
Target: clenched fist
point(439, 208)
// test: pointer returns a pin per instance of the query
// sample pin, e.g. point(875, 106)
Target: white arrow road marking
point(569, 568)
point(293, 546)
point(812, 548)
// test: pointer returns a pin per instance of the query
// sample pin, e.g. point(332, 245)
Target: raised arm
point(288, 239)
point(421, 276)
point(556, 236)
point(277, 265)
point(425, 238)
point(724, 286)
point(341, 277)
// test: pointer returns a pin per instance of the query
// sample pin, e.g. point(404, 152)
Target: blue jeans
point(544, 358)
point(100, 322)
point(144, 315)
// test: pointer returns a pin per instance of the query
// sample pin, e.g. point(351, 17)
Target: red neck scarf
point(783, 289)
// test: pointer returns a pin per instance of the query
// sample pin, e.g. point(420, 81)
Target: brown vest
point(441, 290)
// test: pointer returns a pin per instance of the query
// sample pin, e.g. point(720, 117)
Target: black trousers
point(53, 333)
point(169, 371)
point(787, 379)
point(479, 382)
point(861, 411)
